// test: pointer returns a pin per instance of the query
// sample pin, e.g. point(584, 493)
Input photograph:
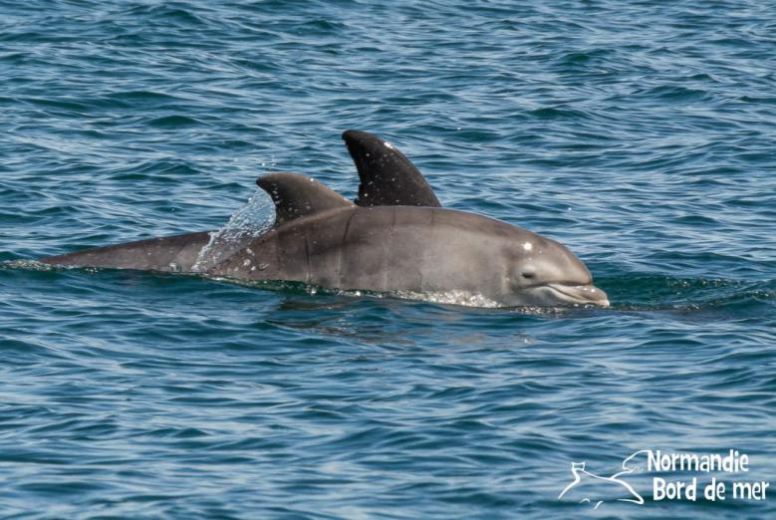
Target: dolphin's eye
point(528, 274)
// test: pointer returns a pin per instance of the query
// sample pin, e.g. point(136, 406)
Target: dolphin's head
point(545, 273)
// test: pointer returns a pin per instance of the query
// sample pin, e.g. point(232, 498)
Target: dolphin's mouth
point(579, 294)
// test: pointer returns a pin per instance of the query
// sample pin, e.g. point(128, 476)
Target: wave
point(652, 292)
point(664, 292)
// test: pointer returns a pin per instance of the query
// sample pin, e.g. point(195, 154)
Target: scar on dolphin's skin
point(395, 237)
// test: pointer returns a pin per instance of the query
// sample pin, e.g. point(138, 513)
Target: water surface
point(640, 134)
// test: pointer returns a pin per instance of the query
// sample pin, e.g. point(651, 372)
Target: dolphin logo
point(590, 486)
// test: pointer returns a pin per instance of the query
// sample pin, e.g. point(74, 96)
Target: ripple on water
point(638, 135)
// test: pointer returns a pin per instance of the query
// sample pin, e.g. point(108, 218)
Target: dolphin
point(394, 238)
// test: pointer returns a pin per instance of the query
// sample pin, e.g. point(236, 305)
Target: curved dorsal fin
point(388, 178)
point(297, 196)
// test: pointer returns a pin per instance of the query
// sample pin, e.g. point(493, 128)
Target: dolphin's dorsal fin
point(297, 196)
point(388, 178)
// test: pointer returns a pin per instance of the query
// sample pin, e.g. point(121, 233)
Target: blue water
point(639, 134)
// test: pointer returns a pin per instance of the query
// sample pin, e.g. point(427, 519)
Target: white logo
point(591, 488)
point(683, 476)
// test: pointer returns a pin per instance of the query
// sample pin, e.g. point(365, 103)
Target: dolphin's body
point(395, 238)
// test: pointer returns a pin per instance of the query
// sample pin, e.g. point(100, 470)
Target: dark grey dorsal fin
point(297, 196)
point(388, 178)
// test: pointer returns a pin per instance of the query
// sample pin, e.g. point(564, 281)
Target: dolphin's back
point(167, 254)
point(384, 248)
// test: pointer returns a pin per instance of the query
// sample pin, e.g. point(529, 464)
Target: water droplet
point(247, 223)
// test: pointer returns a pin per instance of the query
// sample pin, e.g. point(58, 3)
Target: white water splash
point(247, 223)
point(29, 265)
point(451, 297)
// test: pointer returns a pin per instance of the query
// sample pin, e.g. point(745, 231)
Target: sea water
point(639, 134)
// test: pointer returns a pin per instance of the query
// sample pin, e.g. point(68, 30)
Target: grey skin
point(167, 254)
point(322, 239)
point(387, 177)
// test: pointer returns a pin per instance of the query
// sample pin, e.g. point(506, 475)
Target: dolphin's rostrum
point(395, 238)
